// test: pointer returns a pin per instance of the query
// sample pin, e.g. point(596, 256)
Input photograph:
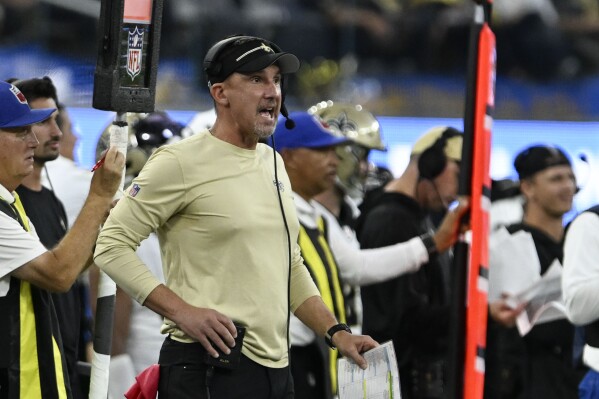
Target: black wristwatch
point(429, 244)
point(328, 337)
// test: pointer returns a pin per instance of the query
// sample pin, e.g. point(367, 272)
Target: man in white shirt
point(28, 272)
point(580, 282)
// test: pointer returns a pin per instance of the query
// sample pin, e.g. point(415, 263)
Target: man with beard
point(540, 364)
point(66, 177)
point(220, 202)
point(48, 214)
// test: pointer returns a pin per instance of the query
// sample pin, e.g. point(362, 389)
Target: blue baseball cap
point(309, 132)
point(15, 111)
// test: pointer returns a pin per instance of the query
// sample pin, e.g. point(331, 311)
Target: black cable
point(48, 177)
point(277, 184)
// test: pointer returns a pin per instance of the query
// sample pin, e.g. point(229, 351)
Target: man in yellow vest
point(311, 161)
point(32, 361)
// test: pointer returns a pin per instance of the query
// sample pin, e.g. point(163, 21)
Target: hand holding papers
point(380, 380)
point(515, 273)
point(543, 300)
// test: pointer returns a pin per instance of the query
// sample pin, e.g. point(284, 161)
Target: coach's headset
point(433, 160)
point(214, 67)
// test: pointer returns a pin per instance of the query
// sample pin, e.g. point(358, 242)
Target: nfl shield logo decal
point(135, 46)
point(134, 190)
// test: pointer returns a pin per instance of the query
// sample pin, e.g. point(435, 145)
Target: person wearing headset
point(339, 206)
point(220, 202)
point(413, 309)
point(310, 152)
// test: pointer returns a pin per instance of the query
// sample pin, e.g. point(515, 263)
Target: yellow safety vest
point(32, 355)
point(322, 266)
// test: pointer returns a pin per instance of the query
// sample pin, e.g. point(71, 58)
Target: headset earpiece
point(433, 160)
point(211, 66)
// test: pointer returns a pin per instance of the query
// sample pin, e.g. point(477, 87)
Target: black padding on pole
point(112, 90)
point(104, 323)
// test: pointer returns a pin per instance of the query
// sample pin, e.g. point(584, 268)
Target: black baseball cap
point(246, 54)
point(537, 158)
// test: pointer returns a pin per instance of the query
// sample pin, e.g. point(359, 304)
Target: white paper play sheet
point(379, 381)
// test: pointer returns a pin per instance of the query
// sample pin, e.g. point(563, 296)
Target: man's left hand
point(352, 346)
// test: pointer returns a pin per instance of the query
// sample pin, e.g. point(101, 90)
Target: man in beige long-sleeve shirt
point(228, 230)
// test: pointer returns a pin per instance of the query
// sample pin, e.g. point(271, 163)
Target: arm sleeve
point(161, 194)
point(367, 266)
point(580, 278)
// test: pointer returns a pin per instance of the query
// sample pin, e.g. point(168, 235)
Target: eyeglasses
point(23, 132)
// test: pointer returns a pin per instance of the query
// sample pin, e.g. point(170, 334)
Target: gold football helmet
point(360, 126)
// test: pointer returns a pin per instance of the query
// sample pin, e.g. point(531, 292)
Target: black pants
point(184, 375)
point(3, 383)
point(308, 370)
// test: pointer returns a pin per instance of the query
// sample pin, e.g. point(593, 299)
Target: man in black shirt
point(413, 310)
point(47, 213)
point(540, 364)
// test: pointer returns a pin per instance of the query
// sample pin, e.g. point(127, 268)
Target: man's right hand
point(504, 314)
point(107, 178)
point(209, 327)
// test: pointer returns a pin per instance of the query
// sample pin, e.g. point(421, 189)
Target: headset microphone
point(444, 203)
point(289, 123)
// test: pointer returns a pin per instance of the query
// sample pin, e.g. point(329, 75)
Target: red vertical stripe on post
point(476, 317)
